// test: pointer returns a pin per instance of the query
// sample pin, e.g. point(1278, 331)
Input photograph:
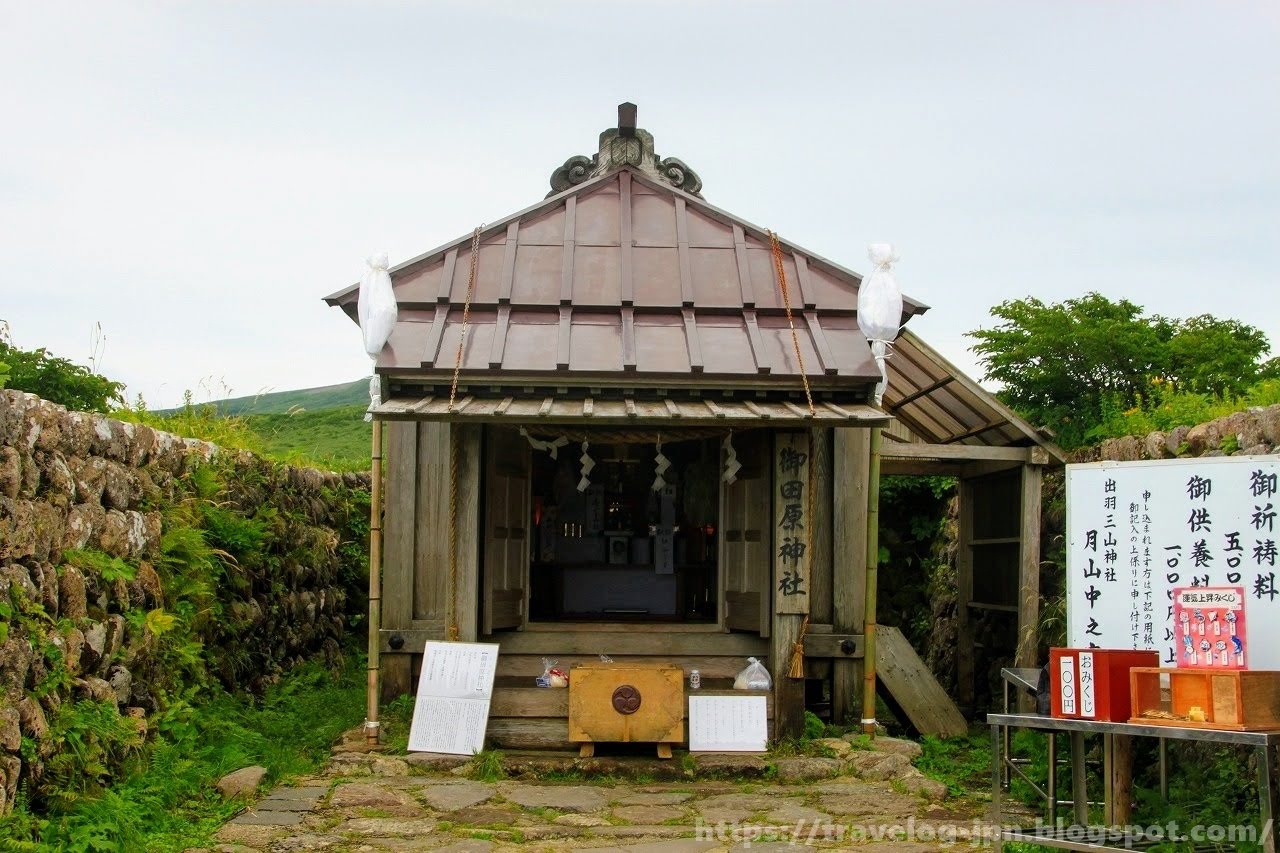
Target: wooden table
point(1072, 837)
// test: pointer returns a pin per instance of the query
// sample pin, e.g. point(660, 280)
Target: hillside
point(310, 399)
point(337, 438)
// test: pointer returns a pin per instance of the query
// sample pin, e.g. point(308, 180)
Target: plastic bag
point(551, 676)
point(377, 305)
point(753, 677)
point(879, 297)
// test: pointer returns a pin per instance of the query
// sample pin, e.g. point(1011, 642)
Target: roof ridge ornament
point(626, 145)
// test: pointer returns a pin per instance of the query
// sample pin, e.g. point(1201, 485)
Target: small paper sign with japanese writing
point(791, 538)
point(1208, 622)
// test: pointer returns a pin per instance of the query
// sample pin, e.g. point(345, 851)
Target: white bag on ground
point(753, 677)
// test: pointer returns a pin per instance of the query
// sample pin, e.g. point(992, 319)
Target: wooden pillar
point(849, 555)
point(470, 465)
point(792, 576)
point(1029, 576)
point(398, 550)
point(964, 594)
point(1121, 779)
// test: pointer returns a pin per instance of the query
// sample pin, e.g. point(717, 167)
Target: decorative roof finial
point(626, 145)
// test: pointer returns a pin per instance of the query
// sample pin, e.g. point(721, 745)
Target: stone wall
point(136, 565)
point(1251, 432)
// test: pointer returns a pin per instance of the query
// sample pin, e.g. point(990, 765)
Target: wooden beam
point(954, 453)
point(682, 248)
point(832, 646)
point(923, 392)
point(509, 263)
point(850, 457)
point(1029, 571)
point(976, 431)
point(566, 255)
point(820, 533)
point(626, 239)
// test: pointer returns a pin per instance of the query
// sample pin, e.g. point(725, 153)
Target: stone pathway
point(372, 802)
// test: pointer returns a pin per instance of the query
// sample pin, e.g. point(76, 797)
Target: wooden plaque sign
point(791, 536)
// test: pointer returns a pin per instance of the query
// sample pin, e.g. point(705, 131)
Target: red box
point(1093, 684)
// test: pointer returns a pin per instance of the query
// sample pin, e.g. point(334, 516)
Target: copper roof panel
point(707, 232)
point(488, 271)
point(537, 274)
point(597, 276)
point(419, 286)
point(653, 219)
point(853, 355)
point(779, 350)
point(725, 345)
point(597, 222)
point(531, 342)
point(408, 340)
point(595, 343)
point(656, 273)
point(479, 339)
point(661, 346)
point(544, 230)
point(715, 278)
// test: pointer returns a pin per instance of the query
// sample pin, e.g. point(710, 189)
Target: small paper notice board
point(728, 723)
point(452, 708)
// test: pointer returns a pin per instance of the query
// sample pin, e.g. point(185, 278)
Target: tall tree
point(1060, 363)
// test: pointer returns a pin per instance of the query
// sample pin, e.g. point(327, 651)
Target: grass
point(166, 800)
point(335, 439)
point(1167, 407)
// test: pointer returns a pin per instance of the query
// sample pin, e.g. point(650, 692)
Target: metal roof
point(628, 279)
point(628, 412)
point(940, 405)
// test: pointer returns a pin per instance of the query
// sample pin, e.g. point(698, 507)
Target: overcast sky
point(195, 176)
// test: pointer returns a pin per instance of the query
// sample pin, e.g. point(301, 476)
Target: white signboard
point(452, 709)
point(728, 723)
point(1138, 530)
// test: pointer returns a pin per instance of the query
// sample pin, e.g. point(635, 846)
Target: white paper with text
point(451, 712)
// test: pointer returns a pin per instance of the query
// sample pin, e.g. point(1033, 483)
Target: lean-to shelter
point(610, 427)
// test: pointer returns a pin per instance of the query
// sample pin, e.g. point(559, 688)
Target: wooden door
point(747, 550)
point(506, 530)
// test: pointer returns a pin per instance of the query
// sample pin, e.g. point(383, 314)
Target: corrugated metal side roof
point(941, 405)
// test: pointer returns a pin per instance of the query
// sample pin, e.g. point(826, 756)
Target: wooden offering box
point(1093, 684)
point(626, 703)
point(1234, 699)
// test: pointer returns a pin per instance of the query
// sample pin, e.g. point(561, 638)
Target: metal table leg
point(1267, 796)
point(997, 772)
point(1164, 770)
point(1051, 784)
point(1079, 786)
point(1108, 779)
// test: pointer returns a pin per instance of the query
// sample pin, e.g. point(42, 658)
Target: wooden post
point(396, 671)
point(873, 564)
point(371, 727)
point(1121, 779)
point(792, 576)
point(1029, 577)
point(964, 594)
point(849, 527)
